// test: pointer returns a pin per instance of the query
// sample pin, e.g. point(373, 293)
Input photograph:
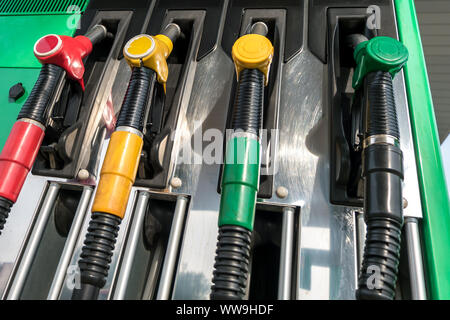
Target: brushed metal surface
point(72, 237)
point(327, 256)
point(19, 224)
point(34, 238)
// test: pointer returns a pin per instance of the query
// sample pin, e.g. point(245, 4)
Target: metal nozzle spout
point(172, 31)
point(354, 39)
point(97, 33)
point(259, 28)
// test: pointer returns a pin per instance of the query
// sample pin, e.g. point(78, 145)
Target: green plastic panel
point(10, 110)
point(41, 7)
point(434, 196)
point(19, 33)
point(22, 22)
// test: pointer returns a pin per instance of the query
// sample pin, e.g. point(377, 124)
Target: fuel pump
point(61, 57)
point(377, 62)
point(252, 55)
point(147, 57)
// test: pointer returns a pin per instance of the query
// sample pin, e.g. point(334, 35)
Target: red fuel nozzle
point(66, 52)
point(57, 53)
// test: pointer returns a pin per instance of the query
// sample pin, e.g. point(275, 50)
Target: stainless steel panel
point(326, 242)
point(24, 264)
point(72, 237)
point(18, 224)
point(207, 109)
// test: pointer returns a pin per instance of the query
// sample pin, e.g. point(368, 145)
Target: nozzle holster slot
point(140, 272)
point(163, 112)
point(76, 119)
point(345, 105)
point(267, 245)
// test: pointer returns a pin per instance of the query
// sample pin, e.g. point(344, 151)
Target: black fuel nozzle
point(378, 60)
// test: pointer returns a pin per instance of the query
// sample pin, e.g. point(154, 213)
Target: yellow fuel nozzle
point(152, 51)
point(253, 51)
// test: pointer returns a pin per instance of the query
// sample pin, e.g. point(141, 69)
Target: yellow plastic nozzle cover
point(252, 51)
point(118, 173)
point(151, 52)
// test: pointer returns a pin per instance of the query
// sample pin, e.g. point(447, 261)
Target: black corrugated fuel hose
point(383, 174)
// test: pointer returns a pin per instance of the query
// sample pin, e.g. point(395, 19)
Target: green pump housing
point(29, 20)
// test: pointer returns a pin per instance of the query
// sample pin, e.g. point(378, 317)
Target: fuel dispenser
point(249, 150)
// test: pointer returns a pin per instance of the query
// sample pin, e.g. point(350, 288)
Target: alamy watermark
point(73, 279)
point(374, 280)
point(374, 18)
point(208, 147)
point(73, 22)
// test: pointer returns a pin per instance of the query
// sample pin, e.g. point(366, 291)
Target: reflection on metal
point(19, 223)
point(132, 242)
point(66, 255)
point(153, 274)
point(360, 238)
point(207, 109)
point(170, 258)
point(32, 244)
point(415, 262)
point(286, 255)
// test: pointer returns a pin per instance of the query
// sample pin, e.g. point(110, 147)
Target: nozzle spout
point(172, 31)
point(259, 28)
point(97, 33)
